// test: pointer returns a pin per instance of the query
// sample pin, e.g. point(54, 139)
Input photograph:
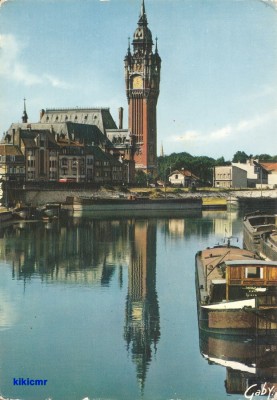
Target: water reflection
point(142, 324)
point(119, 257)
point(68, 252)
point(87, 252)
point(250, 363)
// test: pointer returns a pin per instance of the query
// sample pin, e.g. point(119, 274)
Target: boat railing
point(265, 228)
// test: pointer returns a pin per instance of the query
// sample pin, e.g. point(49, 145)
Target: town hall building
point(69, 143)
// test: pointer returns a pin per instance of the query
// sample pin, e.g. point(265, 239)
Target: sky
point(218, 90)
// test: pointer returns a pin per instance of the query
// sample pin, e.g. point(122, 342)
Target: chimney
point(120, 117)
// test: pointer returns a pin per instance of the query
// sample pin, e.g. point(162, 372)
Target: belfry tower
point(142, 78)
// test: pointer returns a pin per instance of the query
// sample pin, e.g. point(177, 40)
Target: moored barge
point(115, 205)
point(236, 291)
point(260, 234)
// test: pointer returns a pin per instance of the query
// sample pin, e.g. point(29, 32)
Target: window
point(254, 272)
point(176, 176)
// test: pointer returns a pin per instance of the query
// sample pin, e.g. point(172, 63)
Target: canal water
point(106, 309)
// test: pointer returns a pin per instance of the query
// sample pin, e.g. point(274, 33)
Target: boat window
point(254, 272)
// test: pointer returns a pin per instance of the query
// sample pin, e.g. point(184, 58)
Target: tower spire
point(142, 17)
point(25, 115)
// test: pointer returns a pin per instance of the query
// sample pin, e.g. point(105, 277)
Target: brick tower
point(142, 78)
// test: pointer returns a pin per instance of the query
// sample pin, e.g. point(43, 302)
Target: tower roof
point(143, 35)
point(142, 18)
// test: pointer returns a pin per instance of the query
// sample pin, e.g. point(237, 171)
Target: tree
point(240, 156)
point(141, 178)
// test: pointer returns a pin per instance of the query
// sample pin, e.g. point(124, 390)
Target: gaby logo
point(29, 382)
point(263, 391)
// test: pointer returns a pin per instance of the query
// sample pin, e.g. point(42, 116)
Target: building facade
point(61, 152)
point(229, 176)
point(183, 178)
point(142, 79)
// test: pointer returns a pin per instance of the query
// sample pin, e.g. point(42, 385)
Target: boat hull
point(139, 205)
point(238, 322)
point(5, 216)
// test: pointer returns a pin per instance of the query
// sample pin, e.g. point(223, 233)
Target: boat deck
point(208, 260)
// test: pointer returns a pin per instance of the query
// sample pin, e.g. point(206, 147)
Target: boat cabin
point(244, 279)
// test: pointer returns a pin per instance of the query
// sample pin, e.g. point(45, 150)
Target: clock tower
point(142, 78)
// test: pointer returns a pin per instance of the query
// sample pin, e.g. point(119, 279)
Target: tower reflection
point(142, 323)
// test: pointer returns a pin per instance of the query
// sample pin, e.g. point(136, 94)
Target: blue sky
point(218, 89)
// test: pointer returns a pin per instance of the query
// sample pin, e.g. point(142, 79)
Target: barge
point(236, 291)
point(260, 234)
point(132, 205)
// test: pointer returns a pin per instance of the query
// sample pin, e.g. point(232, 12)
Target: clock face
point(137, 82)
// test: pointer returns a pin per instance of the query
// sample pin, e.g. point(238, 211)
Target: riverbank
point(42, 195)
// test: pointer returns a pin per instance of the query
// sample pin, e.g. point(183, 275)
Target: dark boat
point(236, 291)
point(260, 234)
point(24, 212)
point(51, 210)
point(115, 206)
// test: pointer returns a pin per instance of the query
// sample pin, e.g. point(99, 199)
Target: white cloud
point(188, 136)
point(56, 82)
point(221, 133)
point(13, 69)
point(234, 131)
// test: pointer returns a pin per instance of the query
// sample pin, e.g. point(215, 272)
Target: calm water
point(106, 309)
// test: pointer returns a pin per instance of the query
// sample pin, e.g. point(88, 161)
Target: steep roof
point(74, 130)
point(184, 172)
point(100, 117)
point(87, 133)
point(102, 156)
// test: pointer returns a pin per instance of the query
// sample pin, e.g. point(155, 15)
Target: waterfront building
point(12, 164)
point(252, 169)
point(142, 80)
point(183, 178)
point(258, 174)
point(65, 146)
point(229, 176)
point(43, 143)
point(270, 170)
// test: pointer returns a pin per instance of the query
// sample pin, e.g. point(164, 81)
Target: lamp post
point(261, 180)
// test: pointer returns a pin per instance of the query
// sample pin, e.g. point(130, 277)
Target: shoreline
point(41, 196)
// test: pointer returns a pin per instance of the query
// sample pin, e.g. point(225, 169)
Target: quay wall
point(38, 197)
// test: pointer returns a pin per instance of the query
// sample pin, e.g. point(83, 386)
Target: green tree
point(141, 178)
point(240, 156)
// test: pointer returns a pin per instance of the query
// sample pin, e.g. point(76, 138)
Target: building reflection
point(88, 252)
point(250, 362)
point(142, 323)
point(69, 251)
